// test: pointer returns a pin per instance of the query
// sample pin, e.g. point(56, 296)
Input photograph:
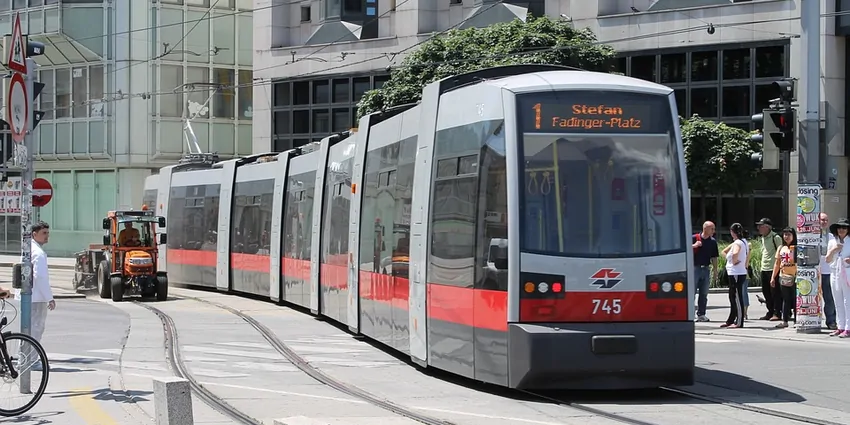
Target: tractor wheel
point(117, 284)
point(161, 288)
point(103, 284)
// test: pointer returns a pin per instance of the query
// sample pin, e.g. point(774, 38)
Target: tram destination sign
point(594, 112)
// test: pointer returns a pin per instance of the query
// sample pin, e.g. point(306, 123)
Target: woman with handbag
point(736, 268)
point(785, 268)
point(838, 258)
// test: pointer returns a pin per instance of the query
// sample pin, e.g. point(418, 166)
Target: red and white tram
point(525, 226)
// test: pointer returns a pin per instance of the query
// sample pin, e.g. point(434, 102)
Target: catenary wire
point(265, 82)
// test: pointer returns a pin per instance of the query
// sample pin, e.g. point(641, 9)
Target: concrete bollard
point(172, 401)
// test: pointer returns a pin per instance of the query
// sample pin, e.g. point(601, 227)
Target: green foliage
point(462, 51)
point(755, 263)
point(717, 157)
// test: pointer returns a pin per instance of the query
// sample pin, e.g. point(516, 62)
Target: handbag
point(787, 280)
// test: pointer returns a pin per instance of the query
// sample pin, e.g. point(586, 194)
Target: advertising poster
point(10, 197)
point(808, 233)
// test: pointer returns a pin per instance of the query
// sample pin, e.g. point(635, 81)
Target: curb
point(54, 266)
point(68, 296)
point(774, 338)
point(750, 289)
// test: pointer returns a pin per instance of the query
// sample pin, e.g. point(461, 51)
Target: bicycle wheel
point(26, 356)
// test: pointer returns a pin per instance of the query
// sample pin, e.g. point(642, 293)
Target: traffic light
point(35, 48)
point(7, 150)
point(782, 129)
point(768, 158)
point(786, 91)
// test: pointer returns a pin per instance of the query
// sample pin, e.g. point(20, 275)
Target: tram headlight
point(529, 287)
point(667, 285)
point(543, 287)
point(678, 286)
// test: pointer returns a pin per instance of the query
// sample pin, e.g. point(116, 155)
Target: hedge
point(755, 263)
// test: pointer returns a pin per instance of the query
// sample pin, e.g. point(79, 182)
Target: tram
point(525, 226)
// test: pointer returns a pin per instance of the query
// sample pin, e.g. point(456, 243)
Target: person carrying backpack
point(770, 242)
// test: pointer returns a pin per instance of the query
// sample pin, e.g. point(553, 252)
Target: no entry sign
point(42, 192)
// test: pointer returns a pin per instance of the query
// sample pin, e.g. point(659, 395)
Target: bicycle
point(13, 369)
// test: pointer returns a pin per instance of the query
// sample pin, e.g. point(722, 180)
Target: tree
point(717, 157)
point(540, 40)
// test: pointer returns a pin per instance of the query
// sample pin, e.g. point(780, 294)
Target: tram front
point(601, 294)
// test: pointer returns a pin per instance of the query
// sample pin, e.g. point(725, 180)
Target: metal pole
point(809, 146)
point(26, 221)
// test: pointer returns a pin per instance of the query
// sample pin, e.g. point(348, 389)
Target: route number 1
point(607, 306)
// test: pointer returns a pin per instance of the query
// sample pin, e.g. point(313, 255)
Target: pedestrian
point(838, 257)
point(736, 269)
point(785, 274)
point(42, 293)
point(770, 242)
point(825, 270)
point(705, 262)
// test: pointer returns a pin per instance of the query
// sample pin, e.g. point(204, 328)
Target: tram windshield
point(600, 186)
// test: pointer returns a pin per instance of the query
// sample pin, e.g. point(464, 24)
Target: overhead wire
point(393, 55)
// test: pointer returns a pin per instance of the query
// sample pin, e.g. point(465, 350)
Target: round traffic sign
point(42, 192)
point(17, 108)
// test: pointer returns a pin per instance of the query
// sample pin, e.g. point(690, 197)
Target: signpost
point(808, 250)
point(18, 108)
point(42, 192)
point(22, 119)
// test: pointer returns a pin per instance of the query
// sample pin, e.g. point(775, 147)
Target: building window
point(246, 94)
point(224, 99)
point(80, 91)
point(63, 93)
point(170, 76)
point(313, 109)
point(728, 84)
point(305, 13)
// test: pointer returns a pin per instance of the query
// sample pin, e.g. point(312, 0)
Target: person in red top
point(705, 260)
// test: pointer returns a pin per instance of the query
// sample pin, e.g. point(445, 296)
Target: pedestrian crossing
point(233, 359)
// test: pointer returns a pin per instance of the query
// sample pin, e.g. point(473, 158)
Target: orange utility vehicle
point(130, 264)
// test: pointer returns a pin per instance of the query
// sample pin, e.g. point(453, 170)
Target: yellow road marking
point(85, 406)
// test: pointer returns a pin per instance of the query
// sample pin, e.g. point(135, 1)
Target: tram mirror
point(163, 238)
point(808, 255)
point(106, 224)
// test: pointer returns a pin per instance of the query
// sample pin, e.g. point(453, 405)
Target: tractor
point(129, 266)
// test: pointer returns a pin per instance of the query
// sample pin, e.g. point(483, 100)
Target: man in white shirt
point(42, 293)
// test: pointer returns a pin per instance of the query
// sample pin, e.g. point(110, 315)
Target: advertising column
point(808, 275)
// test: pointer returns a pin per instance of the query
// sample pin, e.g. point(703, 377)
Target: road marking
point(86, 407)
point(715, 341)
point(481, 415)
point(115, 351)
point(263, 390)
point(232, 353)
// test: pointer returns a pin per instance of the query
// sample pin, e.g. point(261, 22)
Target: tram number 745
point(607, 306)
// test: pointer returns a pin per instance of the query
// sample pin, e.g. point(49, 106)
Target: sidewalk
point(718, 311)
point(55, 263)
point(61, 278)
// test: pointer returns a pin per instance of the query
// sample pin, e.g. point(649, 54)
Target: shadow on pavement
point(34, 419)
point(743, 388)
point(105, 394)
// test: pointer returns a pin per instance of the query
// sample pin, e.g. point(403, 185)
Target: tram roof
point(576, 80)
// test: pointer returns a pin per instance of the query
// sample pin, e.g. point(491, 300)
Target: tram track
point(299, 362)
point(749, 408)
point(353, 391)
point(179, 367)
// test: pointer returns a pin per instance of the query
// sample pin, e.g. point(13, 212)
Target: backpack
point(773, 239)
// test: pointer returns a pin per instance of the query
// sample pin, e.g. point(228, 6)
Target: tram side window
point(337, 203)
point(458, 234)
point(492, 232)
point(210, 220)
point(149, 199)
point(192, 223)
point(298, 219)
point(252, 216)
point(176, 204)
point(404, 200)
point(378, 209)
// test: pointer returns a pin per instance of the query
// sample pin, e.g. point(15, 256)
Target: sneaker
point(782, 325)
point(844, 334)
point(702, 319)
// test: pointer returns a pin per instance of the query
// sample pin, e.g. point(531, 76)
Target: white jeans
point(39, 320)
